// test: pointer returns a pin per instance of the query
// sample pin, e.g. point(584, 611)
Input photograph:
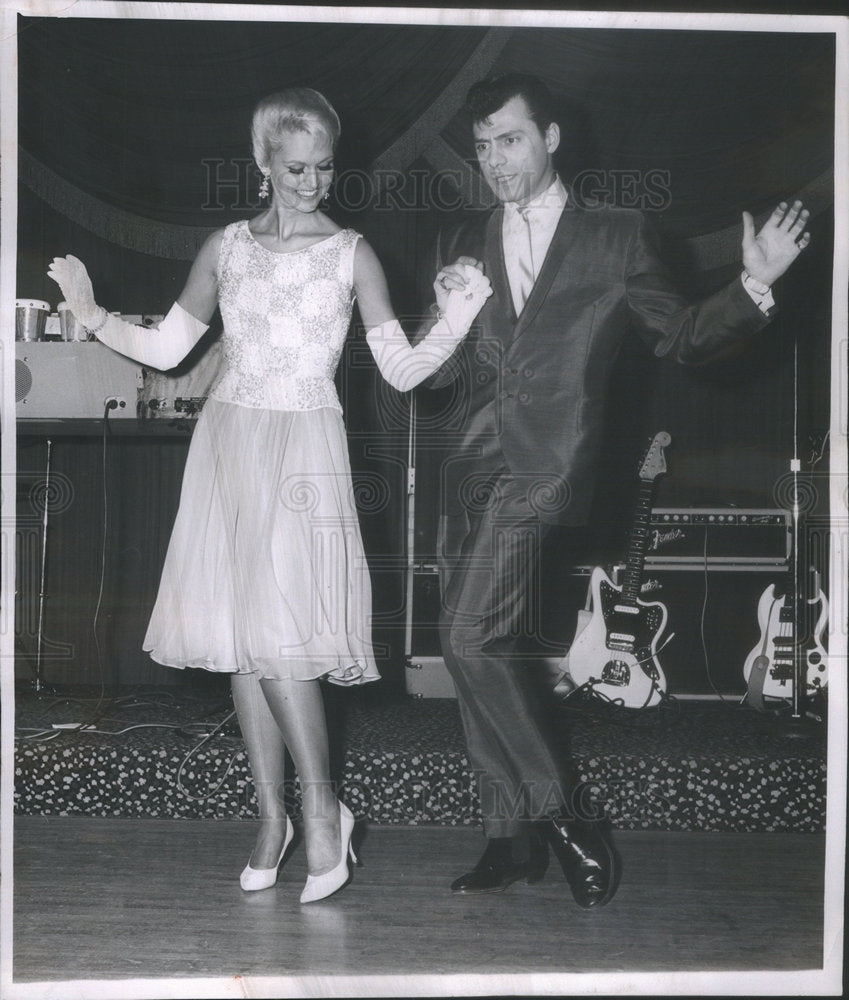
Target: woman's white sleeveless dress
point(265, 570)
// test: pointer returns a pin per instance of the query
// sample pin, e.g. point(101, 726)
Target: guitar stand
point(796, 726)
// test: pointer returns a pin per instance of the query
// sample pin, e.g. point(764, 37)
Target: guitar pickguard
point(633, 630)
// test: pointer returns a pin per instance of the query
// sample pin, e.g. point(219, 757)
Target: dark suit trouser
point(489, 560)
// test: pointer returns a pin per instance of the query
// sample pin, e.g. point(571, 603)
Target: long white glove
point(404, 366)
point(161, 348)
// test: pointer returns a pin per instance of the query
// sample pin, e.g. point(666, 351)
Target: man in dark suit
point(567, 284)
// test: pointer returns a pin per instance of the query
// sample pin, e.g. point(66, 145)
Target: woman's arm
point(402, 365)
point(163, 347)
point(199, 296)
point(370, 287)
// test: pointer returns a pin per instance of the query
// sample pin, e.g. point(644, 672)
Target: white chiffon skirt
point(265, 571)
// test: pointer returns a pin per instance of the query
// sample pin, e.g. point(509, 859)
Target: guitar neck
point(637, 545)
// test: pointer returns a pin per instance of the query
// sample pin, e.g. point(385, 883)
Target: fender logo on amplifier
point(718, 535)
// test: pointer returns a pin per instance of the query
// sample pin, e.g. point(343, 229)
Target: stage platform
point(684, 765)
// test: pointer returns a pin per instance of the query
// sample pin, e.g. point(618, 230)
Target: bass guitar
point(614, 654)
point(771, 661)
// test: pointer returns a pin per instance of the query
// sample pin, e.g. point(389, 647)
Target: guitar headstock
point(654, 464)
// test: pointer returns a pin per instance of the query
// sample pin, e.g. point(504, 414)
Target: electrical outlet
point(115, 403)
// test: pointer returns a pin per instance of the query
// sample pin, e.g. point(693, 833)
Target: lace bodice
point(286, 316)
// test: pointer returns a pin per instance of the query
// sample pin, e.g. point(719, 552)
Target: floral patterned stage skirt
point(265, 571)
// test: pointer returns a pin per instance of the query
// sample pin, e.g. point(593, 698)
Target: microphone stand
point(411, 533)
point(38, 682)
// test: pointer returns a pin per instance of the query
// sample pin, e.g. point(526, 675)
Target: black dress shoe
point(588, 859)
point(497, 869)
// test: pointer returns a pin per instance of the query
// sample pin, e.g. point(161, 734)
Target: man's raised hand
point(768, 254)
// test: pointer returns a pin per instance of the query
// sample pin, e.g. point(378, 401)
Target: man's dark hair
point(487, 96)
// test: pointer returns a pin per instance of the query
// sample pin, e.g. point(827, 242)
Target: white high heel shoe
point(253, 879)
point(320, 886)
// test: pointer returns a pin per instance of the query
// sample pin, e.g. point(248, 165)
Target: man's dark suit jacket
point(535, 386)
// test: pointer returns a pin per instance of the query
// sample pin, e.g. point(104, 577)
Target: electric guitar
point(615, 649)
point(773, 655)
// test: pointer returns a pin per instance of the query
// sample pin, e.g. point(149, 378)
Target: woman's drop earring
point(263, 188)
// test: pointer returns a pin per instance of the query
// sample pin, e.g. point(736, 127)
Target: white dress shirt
point(543, 214)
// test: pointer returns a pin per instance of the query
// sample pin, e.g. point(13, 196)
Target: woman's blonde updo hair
point(299, 109)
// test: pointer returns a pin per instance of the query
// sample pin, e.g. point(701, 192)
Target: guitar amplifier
point(711, 626)
point(72, 380)
point(718, 538)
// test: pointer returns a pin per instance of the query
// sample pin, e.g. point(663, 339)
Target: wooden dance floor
point(149, 899)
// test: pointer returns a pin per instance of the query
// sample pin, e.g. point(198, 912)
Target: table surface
point(90, 427)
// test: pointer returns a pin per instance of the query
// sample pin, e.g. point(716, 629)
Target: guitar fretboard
point(638, 545)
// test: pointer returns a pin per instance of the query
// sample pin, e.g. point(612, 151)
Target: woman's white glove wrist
point(96, 325)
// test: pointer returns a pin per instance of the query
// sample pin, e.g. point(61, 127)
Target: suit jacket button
point(523, 397)
point(528, 373)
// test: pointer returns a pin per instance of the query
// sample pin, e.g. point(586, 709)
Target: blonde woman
point(265, 576)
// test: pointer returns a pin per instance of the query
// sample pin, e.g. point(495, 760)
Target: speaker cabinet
point(65, 380)
point(712, 624)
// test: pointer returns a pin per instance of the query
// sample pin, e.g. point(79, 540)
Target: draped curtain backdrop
point(149, 120)
point(134, 144)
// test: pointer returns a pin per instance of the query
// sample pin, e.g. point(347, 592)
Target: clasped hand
point(459, 276)
point(461, 290)
point(767, 255)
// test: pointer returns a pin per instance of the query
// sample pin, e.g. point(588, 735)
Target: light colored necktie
point(524, 257)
